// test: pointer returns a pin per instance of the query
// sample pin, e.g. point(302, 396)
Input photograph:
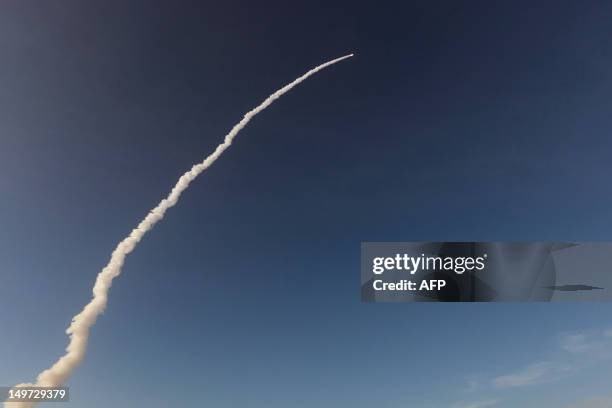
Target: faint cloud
point(593, 403)
point(577, 343)
point(530, 375)
point(575, 352)
point(474, 385)
point(594, 342)
point(586, 346)
point(477, 404)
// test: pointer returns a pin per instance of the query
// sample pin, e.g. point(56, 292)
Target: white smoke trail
point(81, 323)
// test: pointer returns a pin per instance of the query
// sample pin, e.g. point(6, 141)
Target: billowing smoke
point(78, 331)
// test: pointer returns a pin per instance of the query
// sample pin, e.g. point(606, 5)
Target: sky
point(454, 121)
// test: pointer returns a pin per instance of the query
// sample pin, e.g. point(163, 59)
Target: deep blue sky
point(454, 121)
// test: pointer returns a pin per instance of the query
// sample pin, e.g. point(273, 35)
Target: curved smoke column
point(78, 331)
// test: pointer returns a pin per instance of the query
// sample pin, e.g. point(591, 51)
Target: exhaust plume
point(78, 331)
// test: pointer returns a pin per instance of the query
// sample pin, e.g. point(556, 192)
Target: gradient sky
point(455, 121)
